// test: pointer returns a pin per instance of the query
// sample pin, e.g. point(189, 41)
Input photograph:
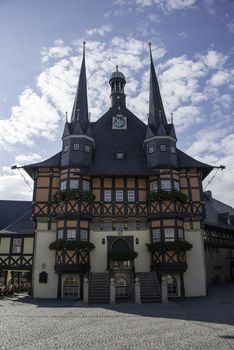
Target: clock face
point(119, 122)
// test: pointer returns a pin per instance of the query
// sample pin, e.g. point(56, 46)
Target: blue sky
point(41, 43)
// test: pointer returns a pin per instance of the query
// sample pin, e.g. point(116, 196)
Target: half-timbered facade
point(16, 248)
point(218, 240)
point(120, 200)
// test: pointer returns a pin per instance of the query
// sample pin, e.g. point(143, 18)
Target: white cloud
point(219, 78)
point(33, 117)
point(22, 159)
point(105, 28)
point(168, 4)
point(14, 187)
point(213, 59)
point(57, 51)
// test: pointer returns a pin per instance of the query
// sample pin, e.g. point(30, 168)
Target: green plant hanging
point(123, 256)
point(162, 195)
point(73, 194)
point(72, 245)
point(178, 246)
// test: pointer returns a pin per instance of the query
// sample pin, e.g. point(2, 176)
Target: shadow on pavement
point(217, 307)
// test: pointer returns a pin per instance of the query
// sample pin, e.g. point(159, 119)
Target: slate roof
point(108, 142)
point(11, 210)
point(22, 225)
point(217, 212)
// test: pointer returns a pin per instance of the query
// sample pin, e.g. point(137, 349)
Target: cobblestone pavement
point(197, 323)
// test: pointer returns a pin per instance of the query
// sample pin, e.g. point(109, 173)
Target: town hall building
point(120, 201)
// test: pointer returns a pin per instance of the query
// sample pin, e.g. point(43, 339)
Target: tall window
point(166, 185)
point(153, 186)
point(107, 195)
point(171, 285)
point(60, 234)
point(169, 234)
point(74, 183)
point(131, 196)
point(71, 234)
point(156, 235)
point(63, 185)
point(87, 148)
point(83, 235)
point(176, 185)
point(180, 233)
point(16, 245)
point(76, 146)
point(85, 185)
point(119, 196)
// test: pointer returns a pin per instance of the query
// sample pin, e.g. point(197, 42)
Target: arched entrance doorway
point(71, 288)
point(118, 255)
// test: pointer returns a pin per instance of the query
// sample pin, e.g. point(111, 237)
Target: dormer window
point(163, 148)
point(151, 149)
point(173, 150)
point(65, 148)
point(87, 148)
point(119, 155)
point(76, 147)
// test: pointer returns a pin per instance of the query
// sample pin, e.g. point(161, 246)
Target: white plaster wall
point(43, 255)
point(195, 275)
point(215, 260)
point(98, 256)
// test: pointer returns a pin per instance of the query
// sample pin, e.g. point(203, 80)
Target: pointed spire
point(80, 107)
point(155, 100)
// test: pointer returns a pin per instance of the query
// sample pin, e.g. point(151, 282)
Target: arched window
point(71, 288)
point(121, 287)
point(120, 245)
point(171, 285)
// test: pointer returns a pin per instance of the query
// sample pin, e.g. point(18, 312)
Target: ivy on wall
point(179, 246)
point(73, 194)
point(72, 245)
point(123, 256)
point(162, 195)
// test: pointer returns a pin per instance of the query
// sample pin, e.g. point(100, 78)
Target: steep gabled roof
point(186, 161)
point(80, 107)
point(156, 109)
point(217, 212)
point(22, 225)
point(11, 210)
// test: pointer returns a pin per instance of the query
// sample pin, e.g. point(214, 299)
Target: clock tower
point(117, 83)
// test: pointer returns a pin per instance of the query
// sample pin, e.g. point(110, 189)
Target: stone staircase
point(150, 288)
point(99, 288)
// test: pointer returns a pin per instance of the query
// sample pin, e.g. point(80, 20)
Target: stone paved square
point(197, 323)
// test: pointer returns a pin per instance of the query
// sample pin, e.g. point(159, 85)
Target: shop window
point(16, 245)
point(169, 234)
